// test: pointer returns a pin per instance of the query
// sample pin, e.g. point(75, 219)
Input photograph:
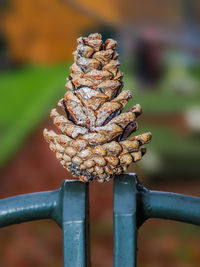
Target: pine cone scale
point(93, 143)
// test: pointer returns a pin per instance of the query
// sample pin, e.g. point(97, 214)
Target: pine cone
point(93, 143)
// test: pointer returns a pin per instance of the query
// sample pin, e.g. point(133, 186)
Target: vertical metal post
point(75, 224)
point(125, 240)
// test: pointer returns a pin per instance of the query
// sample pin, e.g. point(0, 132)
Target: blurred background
point(159, 47)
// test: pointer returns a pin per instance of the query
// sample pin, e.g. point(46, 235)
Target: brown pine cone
point(93, 143)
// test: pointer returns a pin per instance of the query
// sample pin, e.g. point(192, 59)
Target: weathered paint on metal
point(125, 220)
point(75, 224)
point(69, 208)
point(134, 204)
point(28, 207)
point(171, 206)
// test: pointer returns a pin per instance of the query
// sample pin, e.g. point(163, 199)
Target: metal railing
point(69, 208)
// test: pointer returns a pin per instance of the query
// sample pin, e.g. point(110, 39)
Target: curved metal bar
point(28, 207)
point(172, 206)
point(134, 204)
point(68, 206)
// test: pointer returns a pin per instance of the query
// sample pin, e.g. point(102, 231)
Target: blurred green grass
point(171, 151)
point(26, 96)
point(164, 102)
point(168, 142)
point(175, 154)
point(163, 98)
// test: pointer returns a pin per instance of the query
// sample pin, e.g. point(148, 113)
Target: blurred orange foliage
point(43, 30)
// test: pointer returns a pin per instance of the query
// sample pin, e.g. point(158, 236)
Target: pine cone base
point(85, 175)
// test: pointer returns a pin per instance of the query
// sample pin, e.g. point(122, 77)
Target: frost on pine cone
point(93, 143)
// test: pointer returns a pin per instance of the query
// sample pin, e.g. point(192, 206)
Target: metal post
point(68, 206)
point(125, 232)
point(75, 224)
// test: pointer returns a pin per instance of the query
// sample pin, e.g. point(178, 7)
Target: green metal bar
point(134, 204)
point(171, 206)
point(28, 207)
point(75, 218)
point(68, 206)
point(125, 220)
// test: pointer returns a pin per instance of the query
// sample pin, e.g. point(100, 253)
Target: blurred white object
point(178, 78)
point(192, 117)
point(152, 162)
